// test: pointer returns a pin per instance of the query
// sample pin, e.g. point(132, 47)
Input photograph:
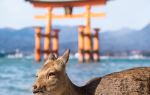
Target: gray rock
point(134, 81)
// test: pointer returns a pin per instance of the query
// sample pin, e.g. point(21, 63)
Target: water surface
point(17, 75)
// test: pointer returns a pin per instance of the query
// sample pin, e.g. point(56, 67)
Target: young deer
point(53, 80)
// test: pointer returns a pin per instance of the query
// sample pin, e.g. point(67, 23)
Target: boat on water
point(17, 54)
point(136, 56)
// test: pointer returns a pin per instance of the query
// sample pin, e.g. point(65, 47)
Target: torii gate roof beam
point(66, 3)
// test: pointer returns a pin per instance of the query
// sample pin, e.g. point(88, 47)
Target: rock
point(134, 81)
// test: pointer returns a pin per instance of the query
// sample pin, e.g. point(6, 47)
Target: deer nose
point(34, 86)
point(38, 89)
point(35, 89)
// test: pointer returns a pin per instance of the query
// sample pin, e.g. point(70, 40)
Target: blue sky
point(134, 14)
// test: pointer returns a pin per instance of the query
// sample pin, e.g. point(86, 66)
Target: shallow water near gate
point(17, 75)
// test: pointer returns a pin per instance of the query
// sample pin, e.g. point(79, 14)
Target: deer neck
point(70, 88)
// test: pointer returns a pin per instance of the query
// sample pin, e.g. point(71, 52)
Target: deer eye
point(51, 74)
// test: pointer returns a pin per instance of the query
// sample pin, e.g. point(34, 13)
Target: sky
point(133, 14)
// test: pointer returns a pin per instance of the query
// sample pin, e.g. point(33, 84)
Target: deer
point(52, 79)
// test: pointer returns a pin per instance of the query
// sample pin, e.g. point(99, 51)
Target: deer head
point(52, 77)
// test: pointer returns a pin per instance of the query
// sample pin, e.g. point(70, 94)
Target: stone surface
point(134, 81)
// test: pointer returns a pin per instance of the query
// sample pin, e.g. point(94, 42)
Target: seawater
point(18, 75)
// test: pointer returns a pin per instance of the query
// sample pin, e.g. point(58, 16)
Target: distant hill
point(23, 39)
point(121, 40)
point(126, 40)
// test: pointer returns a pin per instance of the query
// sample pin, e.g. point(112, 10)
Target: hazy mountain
point(121, 40)
point(23, 39)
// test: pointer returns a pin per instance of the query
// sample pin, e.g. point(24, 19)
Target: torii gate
point(85, 48)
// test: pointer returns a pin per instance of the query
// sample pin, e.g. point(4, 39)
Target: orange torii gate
point(85, 42)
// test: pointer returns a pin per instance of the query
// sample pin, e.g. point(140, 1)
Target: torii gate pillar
point(87, 38)
point(47, 33)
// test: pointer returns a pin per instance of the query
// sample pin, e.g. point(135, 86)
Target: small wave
point(14, 56)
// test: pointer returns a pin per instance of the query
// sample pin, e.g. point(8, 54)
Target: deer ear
point(64, 58)
point(52, 57)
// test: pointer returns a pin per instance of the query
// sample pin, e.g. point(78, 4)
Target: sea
point(18, 74)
